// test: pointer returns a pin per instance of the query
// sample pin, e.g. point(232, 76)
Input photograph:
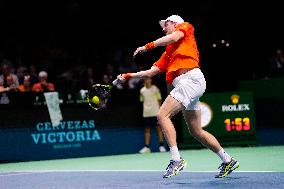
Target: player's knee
point(160, 117)
point(196, 133)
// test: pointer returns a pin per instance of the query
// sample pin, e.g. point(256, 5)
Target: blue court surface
point(137, 179)
point(260, 168)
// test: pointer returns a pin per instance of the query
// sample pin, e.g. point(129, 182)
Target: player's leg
point(168, 109)
point(193, 120)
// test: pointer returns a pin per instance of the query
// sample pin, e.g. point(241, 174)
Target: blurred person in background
point(32, 71)
point(20, 69)
point(8, 79)
point(108, 74)
point(150, 96)
point(106, 79)
point(180, 62)
point(5, 60)
point(87, 79)
point(43, 85)
point(276, 65)
point(134, 83)
point(10, 85)
point(26, 86)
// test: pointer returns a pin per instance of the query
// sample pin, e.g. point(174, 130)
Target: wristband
point(127, 76)
point(150, 46)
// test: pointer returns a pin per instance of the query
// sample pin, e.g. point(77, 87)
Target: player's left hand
point(140, 50)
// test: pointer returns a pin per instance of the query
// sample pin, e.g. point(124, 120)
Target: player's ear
point(176, 24)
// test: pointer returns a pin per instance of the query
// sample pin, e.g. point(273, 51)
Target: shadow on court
point(137, 179)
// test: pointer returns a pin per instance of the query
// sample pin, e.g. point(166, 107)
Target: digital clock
point(228, 116)
point(237, 124)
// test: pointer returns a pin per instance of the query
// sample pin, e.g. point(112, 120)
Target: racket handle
point(115, 82)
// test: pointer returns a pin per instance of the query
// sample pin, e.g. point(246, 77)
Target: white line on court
point(19, 173)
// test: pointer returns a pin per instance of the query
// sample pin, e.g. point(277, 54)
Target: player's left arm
point(169, 39)
point(163, 41)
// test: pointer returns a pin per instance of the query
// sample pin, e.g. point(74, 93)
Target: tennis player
point(180, 61)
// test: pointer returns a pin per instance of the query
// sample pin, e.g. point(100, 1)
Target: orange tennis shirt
point(179, 55)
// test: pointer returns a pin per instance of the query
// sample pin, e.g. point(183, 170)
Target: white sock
point(224, 156)
point(175, 153)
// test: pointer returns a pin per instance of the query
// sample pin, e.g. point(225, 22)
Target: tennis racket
point(99, 94)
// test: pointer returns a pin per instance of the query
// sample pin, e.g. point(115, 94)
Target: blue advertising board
point(72, 138)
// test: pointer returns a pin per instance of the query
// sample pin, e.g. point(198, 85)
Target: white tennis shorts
point(188, 88)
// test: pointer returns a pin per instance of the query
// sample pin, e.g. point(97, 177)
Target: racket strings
point(102, 92)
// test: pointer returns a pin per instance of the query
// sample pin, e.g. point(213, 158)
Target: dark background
point(91, 32)
point(253, 29)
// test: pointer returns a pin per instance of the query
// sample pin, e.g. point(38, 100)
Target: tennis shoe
point(174, 168)
point(227, 168)
point(162, 149)
point(145, 150)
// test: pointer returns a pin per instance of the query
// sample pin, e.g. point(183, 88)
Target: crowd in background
point(58, 70)
point(54, 68)
point(75, 46)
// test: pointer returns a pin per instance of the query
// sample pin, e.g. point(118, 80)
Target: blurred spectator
point(277, 64)
point(10, 85)
point(90, 76)
point(6, 61)
point(43, 85)
point(33, 74)
point(134, 83)
point(87, 79)
point(26, 86)
point(20, 69)
point(4, 77)
point(2, 89)
point(109, 73)
point(150, 96)
point(79, 73)
point(106, 80)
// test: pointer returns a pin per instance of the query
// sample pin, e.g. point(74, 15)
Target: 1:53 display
point(237, 124)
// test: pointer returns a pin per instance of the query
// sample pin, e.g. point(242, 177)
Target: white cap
point(42, 74)
point(173, 18)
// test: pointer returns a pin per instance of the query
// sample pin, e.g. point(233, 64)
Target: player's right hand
point(120, 78)
point(123, 77)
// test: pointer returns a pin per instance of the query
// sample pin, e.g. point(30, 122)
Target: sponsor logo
point(67, 135)
point(235, 107)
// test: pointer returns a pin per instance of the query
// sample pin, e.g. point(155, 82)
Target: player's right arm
point(154, 70)
point(158, 67)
